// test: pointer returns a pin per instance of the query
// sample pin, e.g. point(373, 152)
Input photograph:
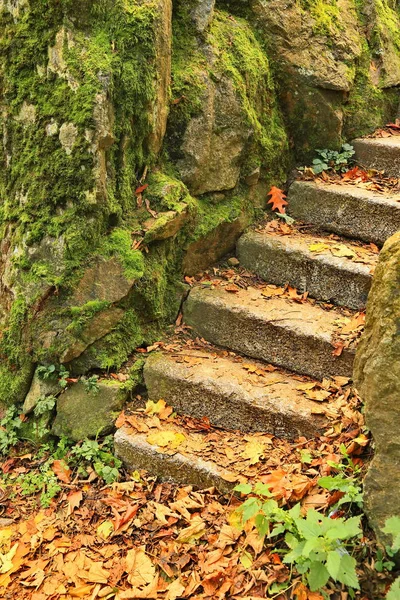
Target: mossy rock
point(82, 413)
point(377, 377)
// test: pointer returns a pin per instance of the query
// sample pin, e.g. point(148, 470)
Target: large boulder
point(377, 377)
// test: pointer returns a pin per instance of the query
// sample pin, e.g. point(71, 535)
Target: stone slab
point(287, 259)
point(136, 453)
point(291, 335)
point(346, 210)
point(382, 154)
point(230, 397)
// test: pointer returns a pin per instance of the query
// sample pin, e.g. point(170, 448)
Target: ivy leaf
point(318, 576)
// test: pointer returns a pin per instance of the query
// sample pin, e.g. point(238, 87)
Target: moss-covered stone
point(377, 376)
point(82, 413)
point(91, 268)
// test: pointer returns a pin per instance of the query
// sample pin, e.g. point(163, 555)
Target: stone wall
point(206, 102)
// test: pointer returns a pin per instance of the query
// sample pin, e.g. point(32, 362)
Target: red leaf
point(277, 199)
point(141, 189)
point(62, 470)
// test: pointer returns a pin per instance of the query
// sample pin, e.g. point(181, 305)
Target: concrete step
point(189, 451)
point(288, 259)
point(382, 154)
point(294, 336)
point(234, 394)
point(346, 210)
point(136, 453)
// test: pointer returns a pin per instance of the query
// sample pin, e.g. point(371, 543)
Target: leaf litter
point(143, 539)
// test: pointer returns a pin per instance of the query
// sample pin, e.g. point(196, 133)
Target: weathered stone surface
point(221, 240)
point(383, 25)
point(214, 141)
point(223, 391)
point(315, 51)
point(40, 388)
point(104, 281)
point(382, 154)
point(288, 259)
point(162, 73)
point(377, 377)
point(101, 324)
point(295, 337)
point(346, 210)
point(202, 14)
point(68, 135)
point(82, 414)
point(300, 39)
point(165, 225)
point(136, 453)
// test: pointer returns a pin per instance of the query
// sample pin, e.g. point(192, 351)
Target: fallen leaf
point(170, 439)
point(62, 470)
point(278, 199)
point(139, 567)
point(74, 500)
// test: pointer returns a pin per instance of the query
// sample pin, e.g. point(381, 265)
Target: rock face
point(377, 378)
point(82, 413)
point(206, 103)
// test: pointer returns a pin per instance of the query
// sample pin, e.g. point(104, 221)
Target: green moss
point(326, 15)
point(242, 58)
point(367, 106)
point(387, 27)
point(16, 367)
point(119, 243)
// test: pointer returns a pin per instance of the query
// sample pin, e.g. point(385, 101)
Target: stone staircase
point(297, 337)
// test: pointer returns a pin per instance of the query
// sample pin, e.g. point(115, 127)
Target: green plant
point(315, 545)
point(91, 384)
point(332, 159)
point(394, 592)
point(105, 464)
point(42, 481)
point(63, 375)
point(349, 486)
point(44, 405)
point(9, 428)
point(46, 372)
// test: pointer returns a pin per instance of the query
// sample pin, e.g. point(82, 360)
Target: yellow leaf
point(154, 408)
point(253, 450)
point(343, 251)
point(83, 591)
point(139, 567)
point(318, 247)
point(105, 530)
point(6, 563)
point(306, 386)
point(163, 439)
point(319, 395)
point(190, 534)
point(5, 537)
point(246, 559)
point(175, 590)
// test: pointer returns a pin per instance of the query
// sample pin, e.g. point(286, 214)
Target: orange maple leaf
point(277, 199)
